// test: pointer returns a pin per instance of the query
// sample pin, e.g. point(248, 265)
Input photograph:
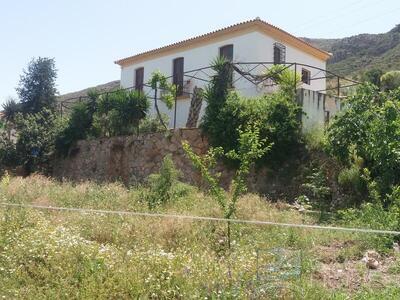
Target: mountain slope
point(356, 54)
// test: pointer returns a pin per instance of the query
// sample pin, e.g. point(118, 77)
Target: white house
point(253, 41)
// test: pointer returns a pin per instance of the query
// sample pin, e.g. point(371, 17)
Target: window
point(139, 74)
point(227, 52)
point(305, 76)
point(279, 53)
point(177, 72)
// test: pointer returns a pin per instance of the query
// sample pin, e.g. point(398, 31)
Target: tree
point(10, 109)
point(390, 80)
point(251, 147)
point(37, 134)
point(369, 128)
point(36, 87)
point(277, 113)
point(373, 76)
point(216, 95)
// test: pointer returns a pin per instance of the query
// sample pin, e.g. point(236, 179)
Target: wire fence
point(198, 218)
point(267, 259)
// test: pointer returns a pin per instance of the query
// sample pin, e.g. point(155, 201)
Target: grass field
point(72, 255)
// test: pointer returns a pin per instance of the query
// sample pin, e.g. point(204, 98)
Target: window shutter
point(279, 53)
point(178, 66)
point(305, 76)
point(139, 76)
point(227, 52)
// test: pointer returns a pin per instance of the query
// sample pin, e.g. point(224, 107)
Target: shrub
point(120, 112)
point(152, 124)
point(390, 80)
point(316, 188)
point(8, 153)
point(276, 114)
point(315, 139)
point(79, 126)
point(164, 186)
point(369, 126)
point(351, 181)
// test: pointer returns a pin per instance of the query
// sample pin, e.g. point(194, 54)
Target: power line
point(317, 21)
point(375, 16)
point(198, 218)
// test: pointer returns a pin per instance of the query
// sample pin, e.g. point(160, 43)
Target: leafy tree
point(159, 82)
point(37, 134)
point(36, 87)
point(251, 147)
point(216, 96)
point(390, 80)
point(276, 113)
point(369, 127)
point(373, 76)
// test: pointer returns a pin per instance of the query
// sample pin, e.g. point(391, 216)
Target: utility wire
point(324, 19)
point(198, 218)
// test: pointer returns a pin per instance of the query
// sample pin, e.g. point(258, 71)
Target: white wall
point(319, 108)
point(249, 47)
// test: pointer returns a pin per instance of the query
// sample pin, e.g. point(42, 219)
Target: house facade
point(249, 43)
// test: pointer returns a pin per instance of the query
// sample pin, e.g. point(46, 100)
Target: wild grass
point(71, 255)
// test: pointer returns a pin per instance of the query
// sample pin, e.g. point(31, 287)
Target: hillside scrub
point(47, 254)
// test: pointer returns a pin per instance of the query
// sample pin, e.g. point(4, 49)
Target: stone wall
point(131, 159)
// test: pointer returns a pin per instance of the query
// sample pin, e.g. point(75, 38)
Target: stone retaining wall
point(131, 159)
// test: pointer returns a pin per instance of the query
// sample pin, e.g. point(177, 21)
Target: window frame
point(227, 46)
point(178, 78)
point(282, 53)
point(139, 86)
point(308, 79)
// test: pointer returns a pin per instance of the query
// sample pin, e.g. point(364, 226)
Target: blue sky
point(85, 37)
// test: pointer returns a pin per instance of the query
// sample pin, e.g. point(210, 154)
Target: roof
point(230, 31)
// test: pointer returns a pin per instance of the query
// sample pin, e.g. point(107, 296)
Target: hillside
point(356, 54)
point(101, 88)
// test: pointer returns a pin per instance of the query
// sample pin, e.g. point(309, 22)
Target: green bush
point(8, 153)
point(317, 190)
point(37, 134)
point(152, 124)
point(390, 80)
point(369, 127)
point(79, 126)
point(277, 119)
point(352, 182)
point(276, 114)
point(315, 139)
point(120, 112)
point(164, 186)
